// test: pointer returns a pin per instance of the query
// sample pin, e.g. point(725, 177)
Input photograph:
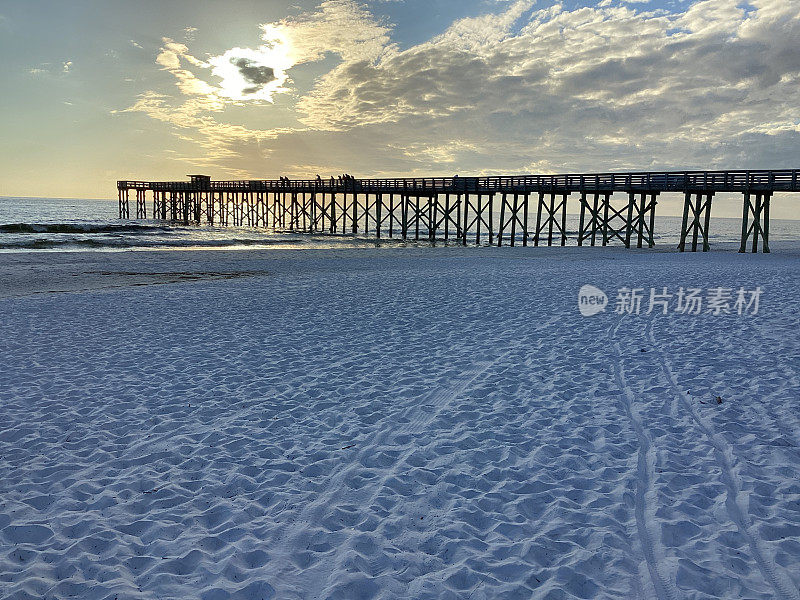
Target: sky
point(95, 91)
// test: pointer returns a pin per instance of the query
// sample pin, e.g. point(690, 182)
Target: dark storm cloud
point(258, 75)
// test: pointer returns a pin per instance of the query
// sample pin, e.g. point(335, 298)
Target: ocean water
point(75, 225)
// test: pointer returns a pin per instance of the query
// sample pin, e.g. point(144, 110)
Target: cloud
point(338, 27)
point(172, 57)
point(251, 75)
point(618, 85)
point(616, 76)
point(257, 75)
point(219, 143)
point(51, 70)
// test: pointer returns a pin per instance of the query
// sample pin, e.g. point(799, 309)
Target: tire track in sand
point(420, 415)
point(723, 454)
point(662, 587)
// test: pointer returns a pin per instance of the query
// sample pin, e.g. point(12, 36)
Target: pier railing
point(787, 180)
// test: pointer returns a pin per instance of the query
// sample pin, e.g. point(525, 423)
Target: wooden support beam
point(644, 219)
point(539, 207)
point(344, 210)
point(514, 212)
point(378, 215)
point(526, 202)
point(286, 207)
point(759, 229)
point(629, 219)
point(765, 223)
point(141, 204)
point(464, 220)
point(185, 207)
point(457, 208)
point(698, 206)
point(319, 199)
point(308, 211)
point(333, 212)
point(431, 219)
point(478, 212)
point(404, 201)
point(354, 208)
point(491, 219)
point(582, 218)
point(619, 223)
point(447, 217)
point(238, 209)
point(502, 225)
point(640, 226)
point(555, 217)
point(391, 215)
point(481, 219)
point(416, 217)
point(124, 205)
point(370, 211)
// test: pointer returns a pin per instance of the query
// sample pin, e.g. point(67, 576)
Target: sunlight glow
point(255, 74)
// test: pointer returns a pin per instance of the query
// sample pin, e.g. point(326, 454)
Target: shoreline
point(27, 274)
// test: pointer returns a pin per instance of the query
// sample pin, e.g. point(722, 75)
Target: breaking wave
point(79, 228)
point(49, 244)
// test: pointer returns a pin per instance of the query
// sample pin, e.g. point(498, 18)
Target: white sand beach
point(396, 423)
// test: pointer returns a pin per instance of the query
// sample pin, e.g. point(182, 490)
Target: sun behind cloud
point(255, 74)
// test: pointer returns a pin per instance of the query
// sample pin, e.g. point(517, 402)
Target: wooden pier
point(614, 207)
